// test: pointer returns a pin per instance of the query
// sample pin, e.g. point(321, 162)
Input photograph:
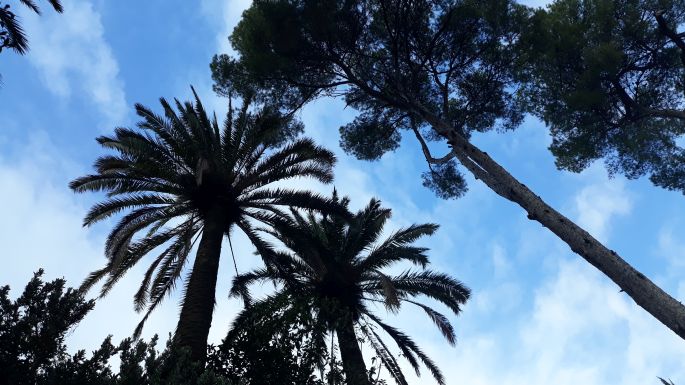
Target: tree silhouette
point(181, 178)
point(439, 70)
point(334, 268)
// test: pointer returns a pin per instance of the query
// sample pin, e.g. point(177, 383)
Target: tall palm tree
point(181, 177)
point(336, 267)
point(11, 33)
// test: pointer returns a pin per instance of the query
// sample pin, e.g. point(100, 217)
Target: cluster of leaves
point(32, 329)
point(607, 79)
point(389, 59)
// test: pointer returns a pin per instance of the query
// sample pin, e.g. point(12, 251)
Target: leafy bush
point(32, 350)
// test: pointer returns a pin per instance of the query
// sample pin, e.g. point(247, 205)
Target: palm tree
point(181, 177)
point(336, 266)
point(11, 33)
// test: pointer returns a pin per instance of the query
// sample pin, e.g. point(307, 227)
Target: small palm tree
point(181, 177)
point(11, 33)
point(336, 266)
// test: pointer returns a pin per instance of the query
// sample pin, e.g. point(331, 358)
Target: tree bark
point(643, 291)
point(198, 304)
point(351, 354)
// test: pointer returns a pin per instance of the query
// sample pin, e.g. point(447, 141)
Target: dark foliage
point(277, 343)
point(33, 327)
point(334, 269)
point(32, 350)
point(369, 137)
point(11, 33)
point(445, 180)
point(276, 346)
point(607, 77)
point(181, 177)
point(393, 60)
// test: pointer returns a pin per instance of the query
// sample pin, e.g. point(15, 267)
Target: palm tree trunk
point(198, 304)
point(351, 354)
point(643, 291)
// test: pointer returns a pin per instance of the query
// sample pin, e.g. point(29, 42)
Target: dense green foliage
point(607, 77)
point(180, 177)
point(392, 60)
point(333, 269)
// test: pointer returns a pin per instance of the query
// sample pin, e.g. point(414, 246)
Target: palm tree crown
point(180, 177)
point(336, 266)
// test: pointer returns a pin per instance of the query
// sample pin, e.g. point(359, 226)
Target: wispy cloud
point(224, 15)
point(72, 57)
point(580, 330)
point(599, 201)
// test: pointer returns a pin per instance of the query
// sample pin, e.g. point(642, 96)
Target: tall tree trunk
point(198, 304)
point(642, 290)
point(351, 354)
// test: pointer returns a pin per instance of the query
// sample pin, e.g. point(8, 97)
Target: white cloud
point(500, 261)
point(580, 330)
point(599, 201)
point(71, 54)
point(41, 224)
point(535, 3)
point(671, 247)
point(225, 19)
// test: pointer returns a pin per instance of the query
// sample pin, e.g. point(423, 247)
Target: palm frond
point(31, 5)
point(243, 319)
point(439, 320)
point(299, 199)
point(365, 229)
point(57, 5)
point(93, 278)
point(397, 248)
point(16, 37)
point(106, 209)
point(387, 358)
point(409, 348)
point(438, 286)
point(390, 294)
point(276, 166)
point(240, 287)
point(140, 298)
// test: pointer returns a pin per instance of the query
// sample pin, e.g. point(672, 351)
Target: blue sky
point(539, 314)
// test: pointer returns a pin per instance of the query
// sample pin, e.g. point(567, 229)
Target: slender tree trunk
point(351, 354)
point(198, 304)
point(643, 291)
